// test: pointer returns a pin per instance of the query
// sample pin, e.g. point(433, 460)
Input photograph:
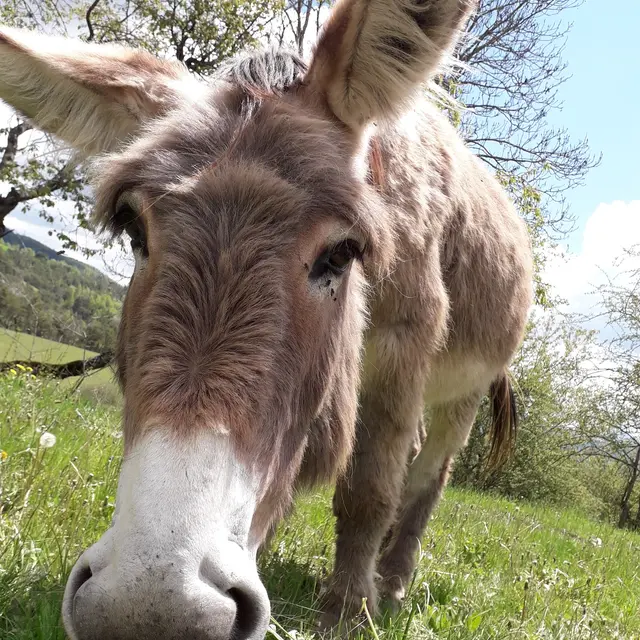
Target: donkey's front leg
point(367, 496)
point(427, 476)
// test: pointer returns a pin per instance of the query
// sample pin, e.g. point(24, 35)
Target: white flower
point(47, 440)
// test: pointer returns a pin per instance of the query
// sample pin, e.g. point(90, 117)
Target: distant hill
point(52, 296)
point(40, 249)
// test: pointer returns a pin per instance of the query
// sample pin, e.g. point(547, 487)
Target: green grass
point(98, 385)
point(489, 568)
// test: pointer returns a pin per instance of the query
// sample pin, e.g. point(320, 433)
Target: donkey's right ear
point(92, 96)
point(373, 54)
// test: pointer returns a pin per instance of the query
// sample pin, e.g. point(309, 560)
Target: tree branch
point(92, 6)
point(10, 150)
point(9, 202)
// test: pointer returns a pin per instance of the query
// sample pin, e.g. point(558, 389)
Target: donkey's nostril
point(79, 576)
point(230, 574)
point(249, 614)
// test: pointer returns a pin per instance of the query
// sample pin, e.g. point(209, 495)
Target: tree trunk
point(624, 514)
point(625, 508)
point(636, 524)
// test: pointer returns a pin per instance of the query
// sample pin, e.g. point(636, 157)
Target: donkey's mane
point(271, 71)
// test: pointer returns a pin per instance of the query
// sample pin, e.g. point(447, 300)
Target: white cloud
point(610, 230)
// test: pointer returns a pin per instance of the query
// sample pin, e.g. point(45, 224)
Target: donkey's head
point(254, 231)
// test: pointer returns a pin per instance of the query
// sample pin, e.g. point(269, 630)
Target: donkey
point(318, 257)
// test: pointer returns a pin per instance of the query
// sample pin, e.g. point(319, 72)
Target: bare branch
point(90, 10)
point(11, 148)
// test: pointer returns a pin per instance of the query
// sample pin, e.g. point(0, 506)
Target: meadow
point(98, 385)
point(489, 568)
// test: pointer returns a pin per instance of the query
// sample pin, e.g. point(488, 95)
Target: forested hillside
point(41, 250)
point(54, 297)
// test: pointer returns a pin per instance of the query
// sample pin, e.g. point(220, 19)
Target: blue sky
point(602, 101)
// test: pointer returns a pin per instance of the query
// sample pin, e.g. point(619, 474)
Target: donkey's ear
point(372, 54)
point(91, 96)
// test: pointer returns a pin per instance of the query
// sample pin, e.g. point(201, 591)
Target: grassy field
point(21, 346)
point(489, 568)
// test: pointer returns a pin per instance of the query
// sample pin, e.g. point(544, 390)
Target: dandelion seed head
point(47, 440)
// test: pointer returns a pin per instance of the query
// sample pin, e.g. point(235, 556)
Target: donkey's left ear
point(91, 96)
point(372, 54)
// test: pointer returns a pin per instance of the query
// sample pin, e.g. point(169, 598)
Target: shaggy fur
point(272, 71)
point(238, 193)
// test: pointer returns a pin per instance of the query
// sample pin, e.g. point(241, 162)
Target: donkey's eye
point(128, 219)
point(138, 239)
point(335, 260)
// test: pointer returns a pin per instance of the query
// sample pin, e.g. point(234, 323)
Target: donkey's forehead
point(277, 136)
point(174, 146)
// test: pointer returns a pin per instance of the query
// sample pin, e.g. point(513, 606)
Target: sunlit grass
point(489, 568)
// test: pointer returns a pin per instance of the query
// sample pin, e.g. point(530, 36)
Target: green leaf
point(473, 622)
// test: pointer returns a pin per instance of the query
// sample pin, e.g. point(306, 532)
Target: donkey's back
point(463, 255)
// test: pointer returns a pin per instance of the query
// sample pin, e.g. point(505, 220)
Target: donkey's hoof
point(342, 612)
point(332, 612)
point(391, 592)
point(391, 603)
point(328, 620)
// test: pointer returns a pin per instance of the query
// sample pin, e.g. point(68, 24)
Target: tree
point(61, 300)
point(298, 17)
point(200, 33)
point(509, 84)
point(37, 175)
point(614, 428)
point(612, 431)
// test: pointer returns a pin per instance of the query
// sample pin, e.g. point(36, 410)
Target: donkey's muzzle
point(163, 601)
point(179, 561)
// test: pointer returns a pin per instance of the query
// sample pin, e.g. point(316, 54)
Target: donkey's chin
point(177, 561)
